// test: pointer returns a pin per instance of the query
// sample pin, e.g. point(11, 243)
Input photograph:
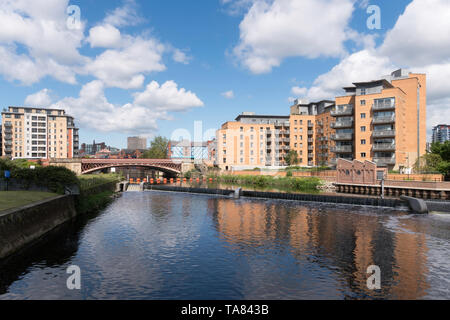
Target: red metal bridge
point(164, 165)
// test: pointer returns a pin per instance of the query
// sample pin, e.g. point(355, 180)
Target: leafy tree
point(291, 158)
point(428, 163)
point(158, 149)
point(442, 149)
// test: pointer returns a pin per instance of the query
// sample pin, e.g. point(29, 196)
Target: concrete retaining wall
point(21, 226)
point(366, 201)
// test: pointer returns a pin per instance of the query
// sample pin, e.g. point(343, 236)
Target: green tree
point(158, 148)
point(442, 149)
point(428, 163)
point(291, 158)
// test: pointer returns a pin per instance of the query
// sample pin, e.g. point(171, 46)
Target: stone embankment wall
point(22, 226)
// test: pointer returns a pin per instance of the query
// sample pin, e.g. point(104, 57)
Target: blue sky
point(151, 67)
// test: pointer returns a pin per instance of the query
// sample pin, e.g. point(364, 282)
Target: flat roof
point(261, 116)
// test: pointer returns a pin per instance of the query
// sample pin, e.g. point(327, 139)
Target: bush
point(289, 173)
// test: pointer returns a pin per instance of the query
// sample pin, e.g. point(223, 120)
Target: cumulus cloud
point(273, 31)
point(167, 97)
point(126, 67)
point(39, 99)
point(180, 56)
point(104, 36)
point(137, 117)
point(228, 94)
point(127, 15)
point(38, 28)
point(419, 36)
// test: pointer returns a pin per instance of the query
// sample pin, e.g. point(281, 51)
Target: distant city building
point(131, 153)
point(135, 143)
point(383, 121)
point(441, 133)
point(187, 150)
point(37, 133)
point(1, 142)
point(91, 149)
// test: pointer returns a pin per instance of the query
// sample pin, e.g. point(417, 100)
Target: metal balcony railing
point(383, 133)
point(384, 147)
point(342, 124)
point(310, 132)
point(386, 105)
point(310, 140)
point(342, 136)
point(381, 120)
point(380, 161)
point(347, 111)
point(342, 149)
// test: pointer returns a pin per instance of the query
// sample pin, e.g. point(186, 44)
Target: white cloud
point(228, 94)
point(167, 97)
point(273, 31)
point(37, 29)
point(104, 36)
point(299, 91)
point(180, 56)
point(93, 110)
point(39, 99)
point(420, 35)
point(126, 15)
point(126, 67)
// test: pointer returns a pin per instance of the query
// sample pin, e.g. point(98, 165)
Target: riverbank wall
point(20, 227)
point(24, 225)
point(336, 199)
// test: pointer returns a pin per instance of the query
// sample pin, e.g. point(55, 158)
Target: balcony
point(320, 131)
point(310, 140)
point(285, 148)
point(383, 147)
point(310, 148)
point(347, 111)
point(310, 132)
point(310, 125)
point(381, 120)
point(323, 147)
point(386, 105)
point(342, 149)
point(8, 143)
point(342, 124)
point(333, 161)
point(384, 161)
point(342, 136)
point(286, 140)
point(311, 164)
point(8, 125)
point(383, 133)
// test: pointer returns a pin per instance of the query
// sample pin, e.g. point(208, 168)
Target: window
point(363, 154)
point(363, 102)
point(363, 115)
point(363, 91)
point(363, 129)
point(363, 141)
point(242, 129)
point(242, 136)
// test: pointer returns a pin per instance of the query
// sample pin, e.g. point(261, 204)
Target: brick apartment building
point(383, 121)
point(36, 133)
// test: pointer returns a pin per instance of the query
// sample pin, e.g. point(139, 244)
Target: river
point(161, 245)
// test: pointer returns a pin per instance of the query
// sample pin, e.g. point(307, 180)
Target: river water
point(161, 245)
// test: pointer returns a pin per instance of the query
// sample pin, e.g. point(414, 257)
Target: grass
point(14, 199)
point(93, 180)
point(304, 184)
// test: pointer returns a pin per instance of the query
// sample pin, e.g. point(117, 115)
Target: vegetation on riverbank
point(94, 180)
point(303, 184)
point(15, 199)
point(94, 202)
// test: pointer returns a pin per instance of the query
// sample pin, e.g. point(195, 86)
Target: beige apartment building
point(383, 121)
point(37, 133)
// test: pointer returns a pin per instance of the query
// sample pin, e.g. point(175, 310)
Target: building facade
point(441, 133)
point(135, 143)
point(36, 133)
point(187, 150)
point(369, 122)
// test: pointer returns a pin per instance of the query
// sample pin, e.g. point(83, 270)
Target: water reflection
point(160, 245)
